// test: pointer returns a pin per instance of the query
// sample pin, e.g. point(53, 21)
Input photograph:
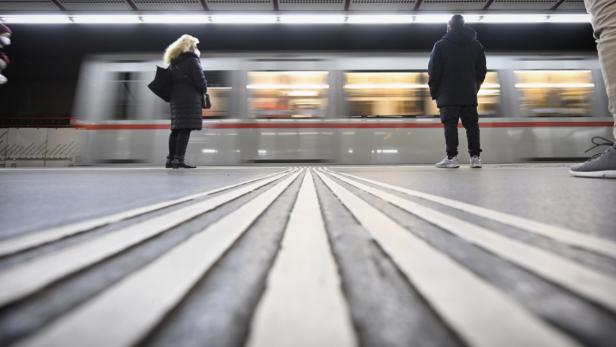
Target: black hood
point(462, 36)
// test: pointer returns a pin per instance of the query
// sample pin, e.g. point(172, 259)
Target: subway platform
point(503, 256)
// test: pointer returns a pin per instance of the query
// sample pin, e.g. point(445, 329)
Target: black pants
point(178, 141)
point(470, 121)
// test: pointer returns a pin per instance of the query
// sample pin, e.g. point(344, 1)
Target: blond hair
point(184, 44)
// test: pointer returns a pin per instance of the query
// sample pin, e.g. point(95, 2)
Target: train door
point(287, 99)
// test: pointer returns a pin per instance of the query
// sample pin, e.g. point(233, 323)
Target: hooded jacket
point(188, 87)
point(457, 68)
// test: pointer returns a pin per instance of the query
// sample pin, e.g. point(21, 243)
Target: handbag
point(208, 102)
point(161, 85)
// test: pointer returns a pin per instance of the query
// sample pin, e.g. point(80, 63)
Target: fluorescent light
point(433, 18)
point(272, 18)
point(472, 18)
point(244, 19)
point(386, 86)
point(303, 93)
point(385, 151)
point(36, 19)
point(553, 85)
point(209, 151)
point(514, 18)
point(518, 72)
point(106, 19)
point(380, 19)
point(569, 18)
point(490, 85)
point(488, 92)
point(286, 86)
point(444, 18)
point(175, 18)
point(312, 19)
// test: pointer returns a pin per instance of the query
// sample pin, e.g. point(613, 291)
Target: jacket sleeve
point(197, 77)
point(435, 71)
point(480, 67)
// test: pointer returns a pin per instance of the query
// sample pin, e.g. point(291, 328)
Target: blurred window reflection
point(489, 95)
point(385, 94)
point(555, 93)
point(287, 94)
point(125, 102)
point(406, 94)
point(219, 88)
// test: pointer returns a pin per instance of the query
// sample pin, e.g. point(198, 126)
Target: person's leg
point(449, 118)
point(172, 147)
point(606, 45)
point(182, 144)
point(603, 14)
point(470, 121)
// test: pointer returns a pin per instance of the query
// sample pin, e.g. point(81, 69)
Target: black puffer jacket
point(457, 68)
point(189, 85)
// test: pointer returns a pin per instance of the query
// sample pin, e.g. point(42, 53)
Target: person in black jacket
point(187, 96)
point(457, 69)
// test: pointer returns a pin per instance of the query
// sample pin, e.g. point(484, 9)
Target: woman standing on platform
point(187, 96)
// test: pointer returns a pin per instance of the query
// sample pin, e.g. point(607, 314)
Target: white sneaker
point(447, 163)
point(475, 162)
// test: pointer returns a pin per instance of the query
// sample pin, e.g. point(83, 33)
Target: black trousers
point(470, 120)
point(178, 141)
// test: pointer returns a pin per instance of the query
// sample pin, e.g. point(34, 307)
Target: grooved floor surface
point(511, 255)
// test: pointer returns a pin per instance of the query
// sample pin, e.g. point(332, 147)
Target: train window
point(219, 89)
point(125, 102)
point(287, 94)
point(489, 95)
point(555, 92)
point(385, 94)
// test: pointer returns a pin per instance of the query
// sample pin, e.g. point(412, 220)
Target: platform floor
point(506, 255)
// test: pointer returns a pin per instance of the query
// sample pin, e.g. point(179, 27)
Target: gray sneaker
point(447, 163)
point(602, 165)
point(475, 162)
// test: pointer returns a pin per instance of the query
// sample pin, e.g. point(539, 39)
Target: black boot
point(168, 164)
point(180, 164)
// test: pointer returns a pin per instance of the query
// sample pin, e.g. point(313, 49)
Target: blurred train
point(343, 108)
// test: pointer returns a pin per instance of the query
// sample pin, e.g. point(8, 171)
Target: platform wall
point(39, 147)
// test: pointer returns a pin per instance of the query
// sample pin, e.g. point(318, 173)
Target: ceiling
point(99, 6)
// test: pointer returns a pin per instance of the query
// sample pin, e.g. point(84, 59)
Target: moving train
point(340, 108)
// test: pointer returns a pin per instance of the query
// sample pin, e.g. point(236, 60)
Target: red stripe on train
point(325, 125)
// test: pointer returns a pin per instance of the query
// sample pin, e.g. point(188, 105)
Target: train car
point(343, 108)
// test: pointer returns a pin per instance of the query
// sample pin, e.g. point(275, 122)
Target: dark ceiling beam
point(347, 4)
point(488, 4)
point(132, 5)
point(57, 3)
point(276, 5)
point(204, 5)
point(417, 5)
point(560, 2)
